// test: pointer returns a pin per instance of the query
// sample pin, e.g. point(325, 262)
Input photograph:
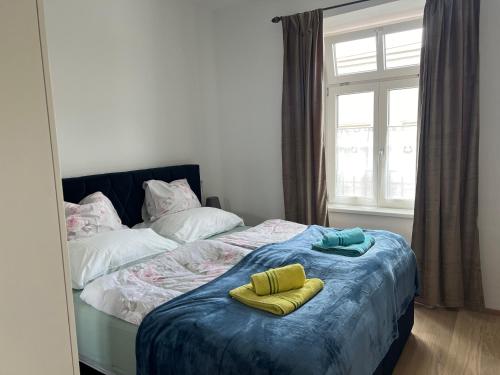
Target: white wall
point(400, 225)
point(489, 140)
point(123, 78)
point(208, 139)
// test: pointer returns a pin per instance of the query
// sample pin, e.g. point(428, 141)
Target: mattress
point(107, 343)
point(206, 329)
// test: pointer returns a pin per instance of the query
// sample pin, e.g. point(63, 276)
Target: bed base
point(405, 325)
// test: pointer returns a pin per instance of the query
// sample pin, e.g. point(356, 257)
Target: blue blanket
point(346, 329)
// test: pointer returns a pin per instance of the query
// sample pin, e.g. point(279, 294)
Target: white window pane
point(403, 106)
point(402, 144)
point(355, 56)
point(354, 145)
point(355, 109)
point(403, 48)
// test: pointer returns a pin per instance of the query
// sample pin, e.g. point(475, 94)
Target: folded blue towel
point(346, 237)
point(354, 250)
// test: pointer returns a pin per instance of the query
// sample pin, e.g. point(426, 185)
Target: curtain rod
point(278, 19)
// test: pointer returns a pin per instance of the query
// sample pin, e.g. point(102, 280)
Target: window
point(401, 143)
point(355, 56)
point(402, 48)
point(372, 110)
point(354, 144)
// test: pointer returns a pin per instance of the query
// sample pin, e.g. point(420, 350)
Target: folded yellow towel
point(277, 280)
point(280, 303)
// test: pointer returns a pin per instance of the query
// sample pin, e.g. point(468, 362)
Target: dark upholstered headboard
point(125, 190)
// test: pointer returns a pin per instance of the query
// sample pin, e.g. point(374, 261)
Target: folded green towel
point(355, 250)
point(346, 237)
point(278, 280)
point(280, 303)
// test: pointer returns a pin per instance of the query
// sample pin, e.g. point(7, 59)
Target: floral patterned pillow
point(163, 198)
point(94, 214)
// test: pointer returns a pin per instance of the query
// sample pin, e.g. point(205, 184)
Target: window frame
point(380, 82)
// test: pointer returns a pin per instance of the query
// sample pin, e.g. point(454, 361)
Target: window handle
point(381, 153)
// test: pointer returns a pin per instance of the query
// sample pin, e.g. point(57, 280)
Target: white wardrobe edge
point(58, 186)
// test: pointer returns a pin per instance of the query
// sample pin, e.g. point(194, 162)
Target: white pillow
point(194, 224)
point(94, 214)
point(163, 198)
point(105, 252)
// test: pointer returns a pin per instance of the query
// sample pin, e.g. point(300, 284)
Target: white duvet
point(131, 293)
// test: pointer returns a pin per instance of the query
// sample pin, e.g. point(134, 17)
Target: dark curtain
point(303, 150)
point(445, 233)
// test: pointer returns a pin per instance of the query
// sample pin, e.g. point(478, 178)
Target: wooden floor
point(452, 342)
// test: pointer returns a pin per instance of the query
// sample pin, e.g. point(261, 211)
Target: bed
point(107, 343)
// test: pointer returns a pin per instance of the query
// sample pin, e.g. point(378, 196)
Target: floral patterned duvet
point(131, 293)
point(270, 231)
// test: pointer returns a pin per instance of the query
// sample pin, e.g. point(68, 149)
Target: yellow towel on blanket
point(277, 280)
point(280, 303)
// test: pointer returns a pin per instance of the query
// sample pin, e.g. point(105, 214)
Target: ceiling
point(216, 4)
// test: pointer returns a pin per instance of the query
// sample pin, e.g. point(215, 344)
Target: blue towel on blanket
point(346, 329)
point(345, 237)
point(351, 250)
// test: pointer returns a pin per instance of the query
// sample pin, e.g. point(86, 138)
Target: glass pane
point(403, 106)
point(403, 48)
point(402, 144)
point(355, 110)
point(354, 145)
point(355, 56)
